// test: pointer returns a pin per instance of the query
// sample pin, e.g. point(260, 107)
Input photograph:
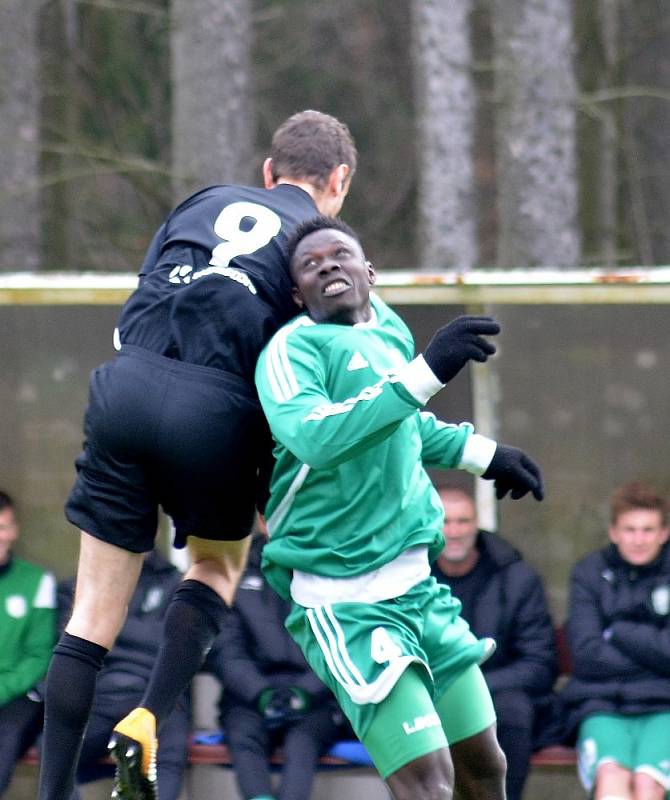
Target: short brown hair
point(636, 495)
point(309, 145)
point(5, 501)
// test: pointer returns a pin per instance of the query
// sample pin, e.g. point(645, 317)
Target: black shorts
point(163, 432)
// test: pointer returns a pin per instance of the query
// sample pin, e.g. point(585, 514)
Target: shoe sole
point(129, 783)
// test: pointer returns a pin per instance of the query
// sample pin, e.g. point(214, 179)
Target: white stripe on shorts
point(342, 645)
point(327, 640)
point(330, 638)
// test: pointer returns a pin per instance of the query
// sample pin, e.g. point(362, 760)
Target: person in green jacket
point(355, 521)
point(27, 636)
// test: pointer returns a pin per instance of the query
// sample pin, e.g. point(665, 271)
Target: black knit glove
point(512, 471)
point(274, 705)
point(460, 341)
point(285, 704)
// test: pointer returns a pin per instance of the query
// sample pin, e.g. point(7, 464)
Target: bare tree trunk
point(59, 133)
point(535, 133)
point(211, 122)
point(445, 97)
point(646, 123)
point(609, 139)
point(19, 135)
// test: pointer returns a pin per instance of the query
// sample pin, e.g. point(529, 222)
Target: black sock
point(193, 620)
point(70, 688)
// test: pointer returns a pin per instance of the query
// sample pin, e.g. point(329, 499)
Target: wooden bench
point(343, 754)
point(205, 747)
point(558, 755)
point(218, 755)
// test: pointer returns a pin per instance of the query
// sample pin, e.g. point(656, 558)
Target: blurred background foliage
point(103, 81)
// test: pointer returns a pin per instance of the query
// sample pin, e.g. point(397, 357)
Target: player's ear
point(268, 177)
point(372, 275)
point(339, 179)
point(297, 297)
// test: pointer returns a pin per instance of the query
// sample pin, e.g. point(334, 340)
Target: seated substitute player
point(174, 420)
point(355, 520)
point(617, 700)
point(502, 597)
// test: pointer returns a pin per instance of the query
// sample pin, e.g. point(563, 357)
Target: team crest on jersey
point(660, 599)
point(16, 606)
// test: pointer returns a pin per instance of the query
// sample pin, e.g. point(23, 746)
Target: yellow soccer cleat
point(133, 747)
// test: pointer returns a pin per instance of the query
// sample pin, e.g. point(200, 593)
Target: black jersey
point(215, 285)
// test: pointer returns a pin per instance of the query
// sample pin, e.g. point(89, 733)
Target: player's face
point(639, 535)
point(9, 530)
point(460, 528)
point(332, 278)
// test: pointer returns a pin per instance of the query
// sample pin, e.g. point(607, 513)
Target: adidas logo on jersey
point(357, 362)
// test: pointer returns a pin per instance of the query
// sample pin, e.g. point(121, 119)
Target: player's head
point(9, 528)
point(314, 149)
point(459, 529)
point(638, 523)
point(330, 273)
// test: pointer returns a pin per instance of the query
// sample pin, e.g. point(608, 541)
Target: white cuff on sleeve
point(419, 379)
point(477, 454)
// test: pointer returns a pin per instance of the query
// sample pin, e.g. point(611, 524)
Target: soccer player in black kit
point(174, 420)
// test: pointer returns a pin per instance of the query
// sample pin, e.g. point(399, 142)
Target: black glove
point(274, 706)
point(514, 472)
point(282, 705)
point(455, 344)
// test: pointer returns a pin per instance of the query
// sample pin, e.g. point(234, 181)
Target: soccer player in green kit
point(355, 521)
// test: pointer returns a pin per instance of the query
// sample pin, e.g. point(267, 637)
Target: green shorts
point(408, 725)
point(360, 650)
point(638, 742)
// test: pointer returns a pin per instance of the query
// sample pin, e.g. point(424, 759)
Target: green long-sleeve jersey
point(27, 626)
point(349, 492)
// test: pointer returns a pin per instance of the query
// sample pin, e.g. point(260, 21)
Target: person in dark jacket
point(125, 674)
point(618, 698)
point(502, 598)
point(270, 695)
